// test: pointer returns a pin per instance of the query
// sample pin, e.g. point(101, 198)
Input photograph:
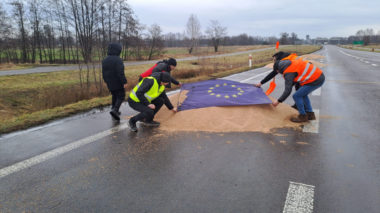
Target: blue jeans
point(302, 100)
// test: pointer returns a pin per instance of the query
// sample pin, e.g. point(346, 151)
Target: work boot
point(132, 125)
point(151, 123)
point(299, 118)
point(115, 115)
point(310, 115)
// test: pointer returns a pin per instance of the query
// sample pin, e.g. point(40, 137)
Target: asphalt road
point(87, 163)
point(130, 63)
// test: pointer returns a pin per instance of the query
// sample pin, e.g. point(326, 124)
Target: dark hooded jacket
point(113, 68)
point(163, 66)
point(148, 83)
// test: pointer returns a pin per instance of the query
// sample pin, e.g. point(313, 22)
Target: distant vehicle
point(325, 43)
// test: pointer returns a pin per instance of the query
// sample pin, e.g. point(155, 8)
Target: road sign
point(357, 42)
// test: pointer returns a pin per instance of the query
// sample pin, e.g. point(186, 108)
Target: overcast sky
point(318, 18)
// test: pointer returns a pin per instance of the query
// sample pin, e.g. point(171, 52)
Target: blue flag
point(221, 92)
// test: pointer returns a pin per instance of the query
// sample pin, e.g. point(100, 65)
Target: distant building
point(338, 40)
point(320, 41)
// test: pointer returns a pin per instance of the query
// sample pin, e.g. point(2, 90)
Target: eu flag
point(221, 92)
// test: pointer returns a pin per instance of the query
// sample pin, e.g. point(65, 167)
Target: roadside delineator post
point(250, 60)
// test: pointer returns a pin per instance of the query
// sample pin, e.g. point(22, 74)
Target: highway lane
point(154, 171)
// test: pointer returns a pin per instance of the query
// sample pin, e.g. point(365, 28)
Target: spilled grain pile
point(255, 118)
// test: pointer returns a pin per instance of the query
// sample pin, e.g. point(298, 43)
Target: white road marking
point(253, 77)
point(58, 151)
point(299, 199)
point(375, 65)
point(312, 126)
point(317, 92)
point(367, 62)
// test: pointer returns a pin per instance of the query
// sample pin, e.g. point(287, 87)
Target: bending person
point(278, 56)
point(309, 77)
point(147, 97)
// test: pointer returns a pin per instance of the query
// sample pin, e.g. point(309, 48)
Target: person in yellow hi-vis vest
point(147, 97)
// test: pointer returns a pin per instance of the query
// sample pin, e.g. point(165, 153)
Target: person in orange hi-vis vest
point(307, 75)
point(277, 56)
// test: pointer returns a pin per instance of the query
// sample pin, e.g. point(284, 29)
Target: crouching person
point(147, 97)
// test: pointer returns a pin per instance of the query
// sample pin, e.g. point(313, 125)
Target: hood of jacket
point(114, 49)
point(161, 77)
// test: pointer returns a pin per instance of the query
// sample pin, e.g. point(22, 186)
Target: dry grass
point(369, 48)
point(182, 52)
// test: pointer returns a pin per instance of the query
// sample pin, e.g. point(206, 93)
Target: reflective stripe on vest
point(311, 73)
point(146, 95)
point(152, 94)
point(304, 72)
point(307, 72)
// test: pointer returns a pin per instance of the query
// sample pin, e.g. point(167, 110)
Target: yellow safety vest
point(152, 94)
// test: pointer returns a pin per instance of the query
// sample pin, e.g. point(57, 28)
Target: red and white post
point(250, 60)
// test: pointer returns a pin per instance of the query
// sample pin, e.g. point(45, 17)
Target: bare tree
point(83, 13)
point(193, 31)
point(294, 38)
point(365, 35)
point(61, 22)
point(5, 32)
point(19, 13)
point(284, 38)
point(155, 40)
point(216, 33)
point(131, 34)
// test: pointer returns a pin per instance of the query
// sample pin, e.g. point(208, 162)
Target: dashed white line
point(299, 199)
point(317, 92)
point(313, 125)
point(375, 65)
point(256, 76)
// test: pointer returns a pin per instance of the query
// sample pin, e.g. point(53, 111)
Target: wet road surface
point(107, 168)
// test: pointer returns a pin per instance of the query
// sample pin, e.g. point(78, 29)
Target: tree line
point(70, 31)
point(78, 31)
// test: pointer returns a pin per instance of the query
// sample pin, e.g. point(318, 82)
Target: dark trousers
point(118, 96)
point(146, 113)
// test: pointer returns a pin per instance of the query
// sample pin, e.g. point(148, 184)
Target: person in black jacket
point(113, 75)
point(165, 66)
point(138, 100)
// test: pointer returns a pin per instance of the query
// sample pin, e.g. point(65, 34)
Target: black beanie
point(172, 61)
point(280, 55)
point(165, 77)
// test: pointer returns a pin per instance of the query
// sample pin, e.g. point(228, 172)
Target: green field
point(28, 100)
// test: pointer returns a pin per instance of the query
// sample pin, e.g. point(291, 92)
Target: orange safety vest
point(307, 72)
